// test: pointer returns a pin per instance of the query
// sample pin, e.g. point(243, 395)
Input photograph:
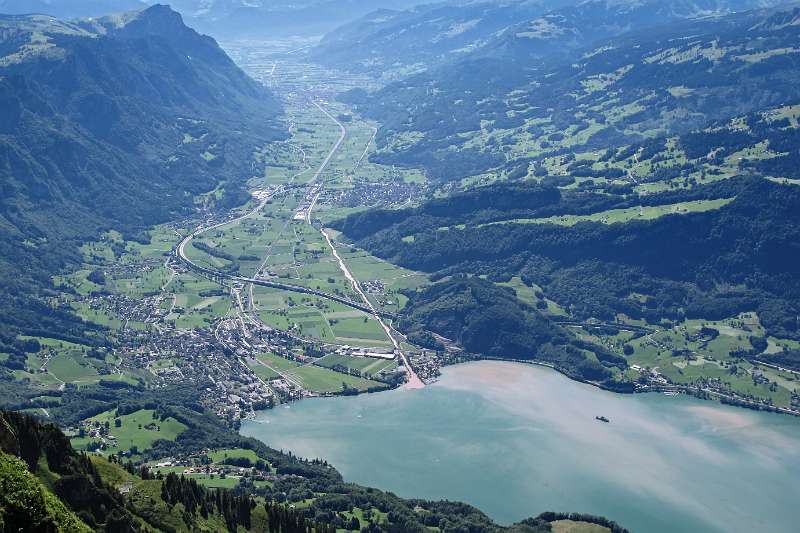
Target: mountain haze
point(524, 30)
point(229, 19)
point(422, 37)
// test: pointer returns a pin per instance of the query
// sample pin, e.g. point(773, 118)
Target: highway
point(324, 165)
point(180, 253)
point(413, 381)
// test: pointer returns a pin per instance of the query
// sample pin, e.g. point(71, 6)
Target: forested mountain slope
point(53, 483)
point(740, 256)
point(26, 504)
point(491, 321)
point(115, 123)
point(539, 93)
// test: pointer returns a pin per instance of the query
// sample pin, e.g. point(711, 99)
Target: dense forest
point(491, 321)
point(742, 256)
point(76, 480)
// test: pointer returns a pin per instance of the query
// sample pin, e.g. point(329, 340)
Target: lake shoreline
point(500, 427)
point(683, 390)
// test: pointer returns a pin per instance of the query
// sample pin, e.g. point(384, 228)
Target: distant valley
point(344, 198)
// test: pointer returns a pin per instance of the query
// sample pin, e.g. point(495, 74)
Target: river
point(516, 440)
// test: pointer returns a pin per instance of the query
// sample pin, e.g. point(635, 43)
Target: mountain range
point(526, 30)
point(541, 135)
point(113, 123)
point(537, 92)
point(227, 19)
point(421, 38)
point(611, 186)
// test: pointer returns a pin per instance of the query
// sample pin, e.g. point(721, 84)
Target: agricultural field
point(243, 246)
point(314, 378)
point(195, 302)
point(618, 216)
point(692, 353)
point(218, 456)
point(277, 363)
point(531, 295)
point(570, 526)
point(323, 380)
point(60, 362)
point(131, 272)
point(313, 316)
point(211, 480)
point(130, 268)
point(210, 470)
point(355, 329)
point(305, 315)
point(367, 366)
point(313, 135)
point(382, 281)
point(363, 515)
point(136, 431)
point(647, 171)
point(264, 372)
point(104, 317)
point(65, 367)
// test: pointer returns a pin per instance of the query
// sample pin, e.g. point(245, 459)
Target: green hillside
point(58, 489)
point(108, 124)
point(25, 504)
point(528, 97)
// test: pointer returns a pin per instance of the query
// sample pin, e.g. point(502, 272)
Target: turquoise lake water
point(516, 440)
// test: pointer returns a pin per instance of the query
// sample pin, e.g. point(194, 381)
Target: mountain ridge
point(96, 118)
point(611, 90)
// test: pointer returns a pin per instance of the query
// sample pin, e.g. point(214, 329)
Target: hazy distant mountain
point(225, 18)
point(424, 36)
point(267, 19)
point(428, 35)
point(571, 77)
point(70, 8)
point(118, 122)
point(562, 31)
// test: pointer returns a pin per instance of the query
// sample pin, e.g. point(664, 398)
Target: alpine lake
point(516, 440)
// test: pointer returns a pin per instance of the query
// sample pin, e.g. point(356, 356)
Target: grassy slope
point(25, 502)
point(134, 430)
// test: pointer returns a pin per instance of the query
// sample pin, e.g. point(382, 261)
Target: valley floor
point(267, 306)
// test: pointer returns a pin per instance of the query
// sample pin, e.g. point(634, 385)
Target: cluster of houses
point(383, 194)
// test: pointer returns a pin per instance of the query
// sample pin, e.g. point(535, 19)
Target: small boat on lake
point(602, 419)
